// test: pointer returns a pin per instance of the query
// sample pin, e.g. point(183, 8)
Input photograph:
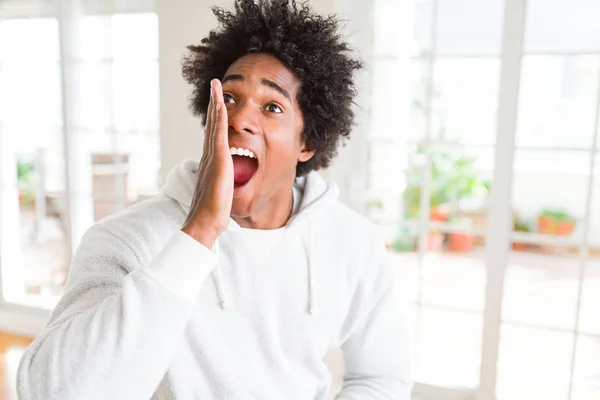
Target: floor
point(542, 335)
point(11, 348)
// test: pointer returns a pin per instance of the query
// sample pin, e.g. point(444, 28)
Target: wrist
point(205, 235)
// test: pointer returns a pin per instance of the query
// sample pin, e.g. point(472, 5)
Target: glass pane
point(443, 338)
point(454, 280)
point(541, 289)
point(406, 267)
point(35, 254)
point(34, 247)
point(386, 30)
point(135, 95)
point(549, 195)
point(460, 182)
point(558, 100)
point(558, 25)
point(389, 110)
point(421, 101)
point(586, 384)
point(117, 169)
point(589, 318)
point(469, 26)
point(92, 110)
point(37, 40)
point(114, 144)
point(466, 97)
point(30, 89)
point(589, 313)
point(95, 38)
point(29, 75)
point(423, 27)
point(387, 163)
point(533, 364)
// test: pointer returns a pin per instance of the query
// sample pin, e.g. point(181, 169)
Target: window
point(79, 132)
point(431, 182)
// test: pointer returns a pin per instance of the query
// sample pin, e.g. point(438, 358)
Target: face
point(260, 94)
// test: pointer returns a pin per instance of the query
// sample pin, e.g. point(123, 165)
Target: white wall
point(181, 23)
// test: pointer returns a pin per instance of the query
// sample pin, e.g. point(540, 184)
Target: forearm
point(119, 347)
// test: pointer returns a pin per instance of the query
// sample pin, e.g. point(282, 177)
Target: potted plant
point(520, 225)
point(437, 213)
point(25, 173)
point(461, 242)
point(454, 180)
point(556, 223)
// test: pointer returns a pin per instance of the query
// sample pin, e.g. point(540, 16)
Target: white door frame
point(500, 212)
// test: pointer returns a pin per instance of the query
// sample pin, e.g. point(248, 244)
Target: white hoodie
point(151, 313)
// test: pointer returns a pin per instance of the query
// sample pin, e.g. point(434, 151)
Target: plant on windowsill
point(25, 173)
point(455, 182)
point(556, 222)
point(520, 225)
point(461, 242)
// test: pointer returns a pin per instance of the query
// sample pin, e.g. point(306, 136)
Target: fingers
point(209, 130)
point(221, 125)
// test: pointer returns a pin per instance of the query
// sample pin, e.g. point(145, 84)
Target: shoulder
point(351, 243)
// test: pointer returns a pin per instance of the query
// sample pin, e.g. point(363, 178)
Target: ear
point(305, 154)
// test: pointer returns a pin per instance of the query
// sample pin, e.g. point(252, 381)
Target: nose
point(243, 118)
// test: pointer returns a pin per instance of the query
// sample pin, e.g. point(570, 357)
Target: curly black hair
point(307, 43)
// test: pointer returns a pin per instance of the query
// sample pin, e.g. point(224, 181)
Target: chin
point(241, 208)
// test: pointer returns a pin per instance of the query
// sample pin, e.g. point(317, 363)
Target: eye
point(274, 108)
point(228, 99)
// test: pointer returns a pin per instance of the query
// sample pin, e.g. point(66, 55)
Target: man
point(151, 312)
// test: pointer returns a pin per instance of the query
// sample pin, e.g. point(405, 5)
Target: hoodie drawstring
point(217, 278)
point(312, 291)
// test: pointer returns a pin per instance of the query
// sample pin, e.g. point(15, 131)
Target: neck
point(273, 216)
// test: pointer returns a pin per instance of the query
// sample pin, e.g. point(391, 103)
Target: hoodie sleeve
point(114, 333)
point(376, 349)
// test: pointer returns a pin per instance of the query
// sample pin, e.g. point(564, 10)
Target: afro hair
point(310, 45)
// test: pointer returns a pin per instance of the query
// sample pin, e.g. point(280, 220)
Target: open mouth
point(245, 165)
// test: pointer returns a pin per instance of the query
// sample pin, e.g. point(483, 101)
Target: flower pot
point(435, 241)
point(519, 246)
point(547, 225)
point(565, 228)
point(461, 242)
point(437, 215)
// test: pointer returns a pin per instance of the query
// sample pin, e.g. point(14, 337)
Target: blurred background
point(476, 151)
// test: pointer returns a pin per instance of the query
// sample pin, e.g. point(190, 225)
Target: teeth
point(241, 152)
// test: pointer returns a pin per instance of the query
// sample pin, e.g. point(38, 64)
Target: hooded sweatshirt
point(150, 313)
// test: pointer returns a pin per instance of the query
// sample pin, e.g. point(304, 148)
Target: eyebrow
point(264, 81)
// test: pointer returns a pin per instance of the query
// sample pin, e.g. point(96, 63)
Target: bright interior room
point(476, 152)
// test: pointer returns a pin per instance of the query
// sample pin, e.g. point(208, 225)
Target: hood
point(316, 193)
point(315, 196)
